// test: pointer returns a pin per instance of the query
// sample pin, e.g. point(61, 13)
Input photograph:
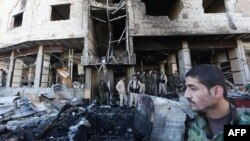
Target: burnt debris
point(74, 122)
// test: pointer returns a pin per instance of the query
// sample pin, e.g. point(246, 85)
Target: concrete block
point(166, 117)
point(235, 65)
point(237, 78)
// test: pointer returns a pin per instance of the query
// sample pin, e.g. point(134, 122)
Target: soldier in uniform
point(206, 92)
point(103, 91)
point(155, 82)
point(151, 83)
point(162, 83)
point(176, 81)
point(142, 78)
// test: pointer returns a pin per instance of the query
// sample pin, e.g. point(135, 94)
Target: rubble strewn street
point(75, 120)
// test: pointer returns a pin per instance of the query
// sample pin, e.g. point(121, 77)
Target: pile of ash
point(74, 123)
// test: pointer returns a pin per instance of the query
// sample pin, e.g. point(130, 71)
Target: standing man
point(148, 83)
point(134, 86)
point(155, 82)
point(162, 83)
point(207, 93)
point(103, 91)
point(143, 81)
point(121, 88)
point(1, 77)
point(176, 81)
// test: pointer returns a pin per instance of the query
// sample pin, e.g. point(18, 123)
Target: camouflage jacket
point(199, 129)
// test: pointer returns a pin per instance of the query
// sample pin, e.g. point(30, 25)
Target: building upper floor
point(188, 17)
point(36, 20)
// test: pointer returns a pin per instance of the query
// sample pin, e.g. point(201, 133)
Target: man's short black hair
point(209, 76)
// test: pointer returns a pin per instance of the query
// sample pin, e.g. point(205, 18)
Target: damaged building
point(42, 43)
point(81, 42)
point(52, 50)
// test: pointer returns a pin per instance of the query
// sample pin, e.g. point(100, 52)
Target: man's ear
point(218, 91)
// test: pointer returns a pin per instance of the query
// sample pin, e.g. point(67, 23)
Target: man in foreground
point(207, 93)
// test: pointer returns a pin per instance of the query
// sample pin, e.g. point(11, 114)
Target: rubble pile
point(74, 121)
point(111, 124)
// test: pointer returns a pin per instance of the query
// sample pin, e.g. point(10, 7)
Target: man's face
point(199, 96)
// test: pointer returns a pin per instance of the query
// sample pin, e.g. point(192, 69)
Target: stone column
point(184, 59)
point(238, 61)
point(162, 67)
point(71, 63)
point(17, 78)
point(10, 71)
point(39, 64)
point(45, 70)
point(31, 74)
point(130, 71)
point(1, 77)
point(172, 63)
point(88, 80)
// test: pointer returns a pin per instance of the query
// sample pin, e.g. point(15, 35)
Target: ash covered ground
point(75, 122)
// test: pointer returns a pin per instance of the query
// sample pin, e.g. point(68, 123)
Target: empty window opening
point(170, 8)
point(214, 6)
point(18, 20)
point(60, 12)
point(227, 71)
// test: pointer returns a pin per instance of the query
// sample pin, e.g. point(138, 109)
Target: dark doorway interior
point(201, 57)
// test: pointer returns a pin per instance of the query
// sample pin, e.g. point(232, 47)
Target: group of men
point(155, 83)
point(141, 83)
point(150, 83)
point(134, 88)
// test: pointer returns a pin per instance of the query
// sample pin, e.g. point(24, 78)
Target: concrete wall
point(243, 7)
point(191, 19)
point(92, 41)
point(37, 24)
point(4, 66)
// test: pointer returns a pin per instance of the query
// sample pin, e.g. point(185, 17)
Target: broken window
point(60, 12)
point(214, 6)
point(18, 19)
point(170, 8)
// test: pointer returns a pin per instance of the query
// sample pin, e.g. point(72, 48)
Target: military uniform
point(103, 91)
point(200, 130)
point(143, 82)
